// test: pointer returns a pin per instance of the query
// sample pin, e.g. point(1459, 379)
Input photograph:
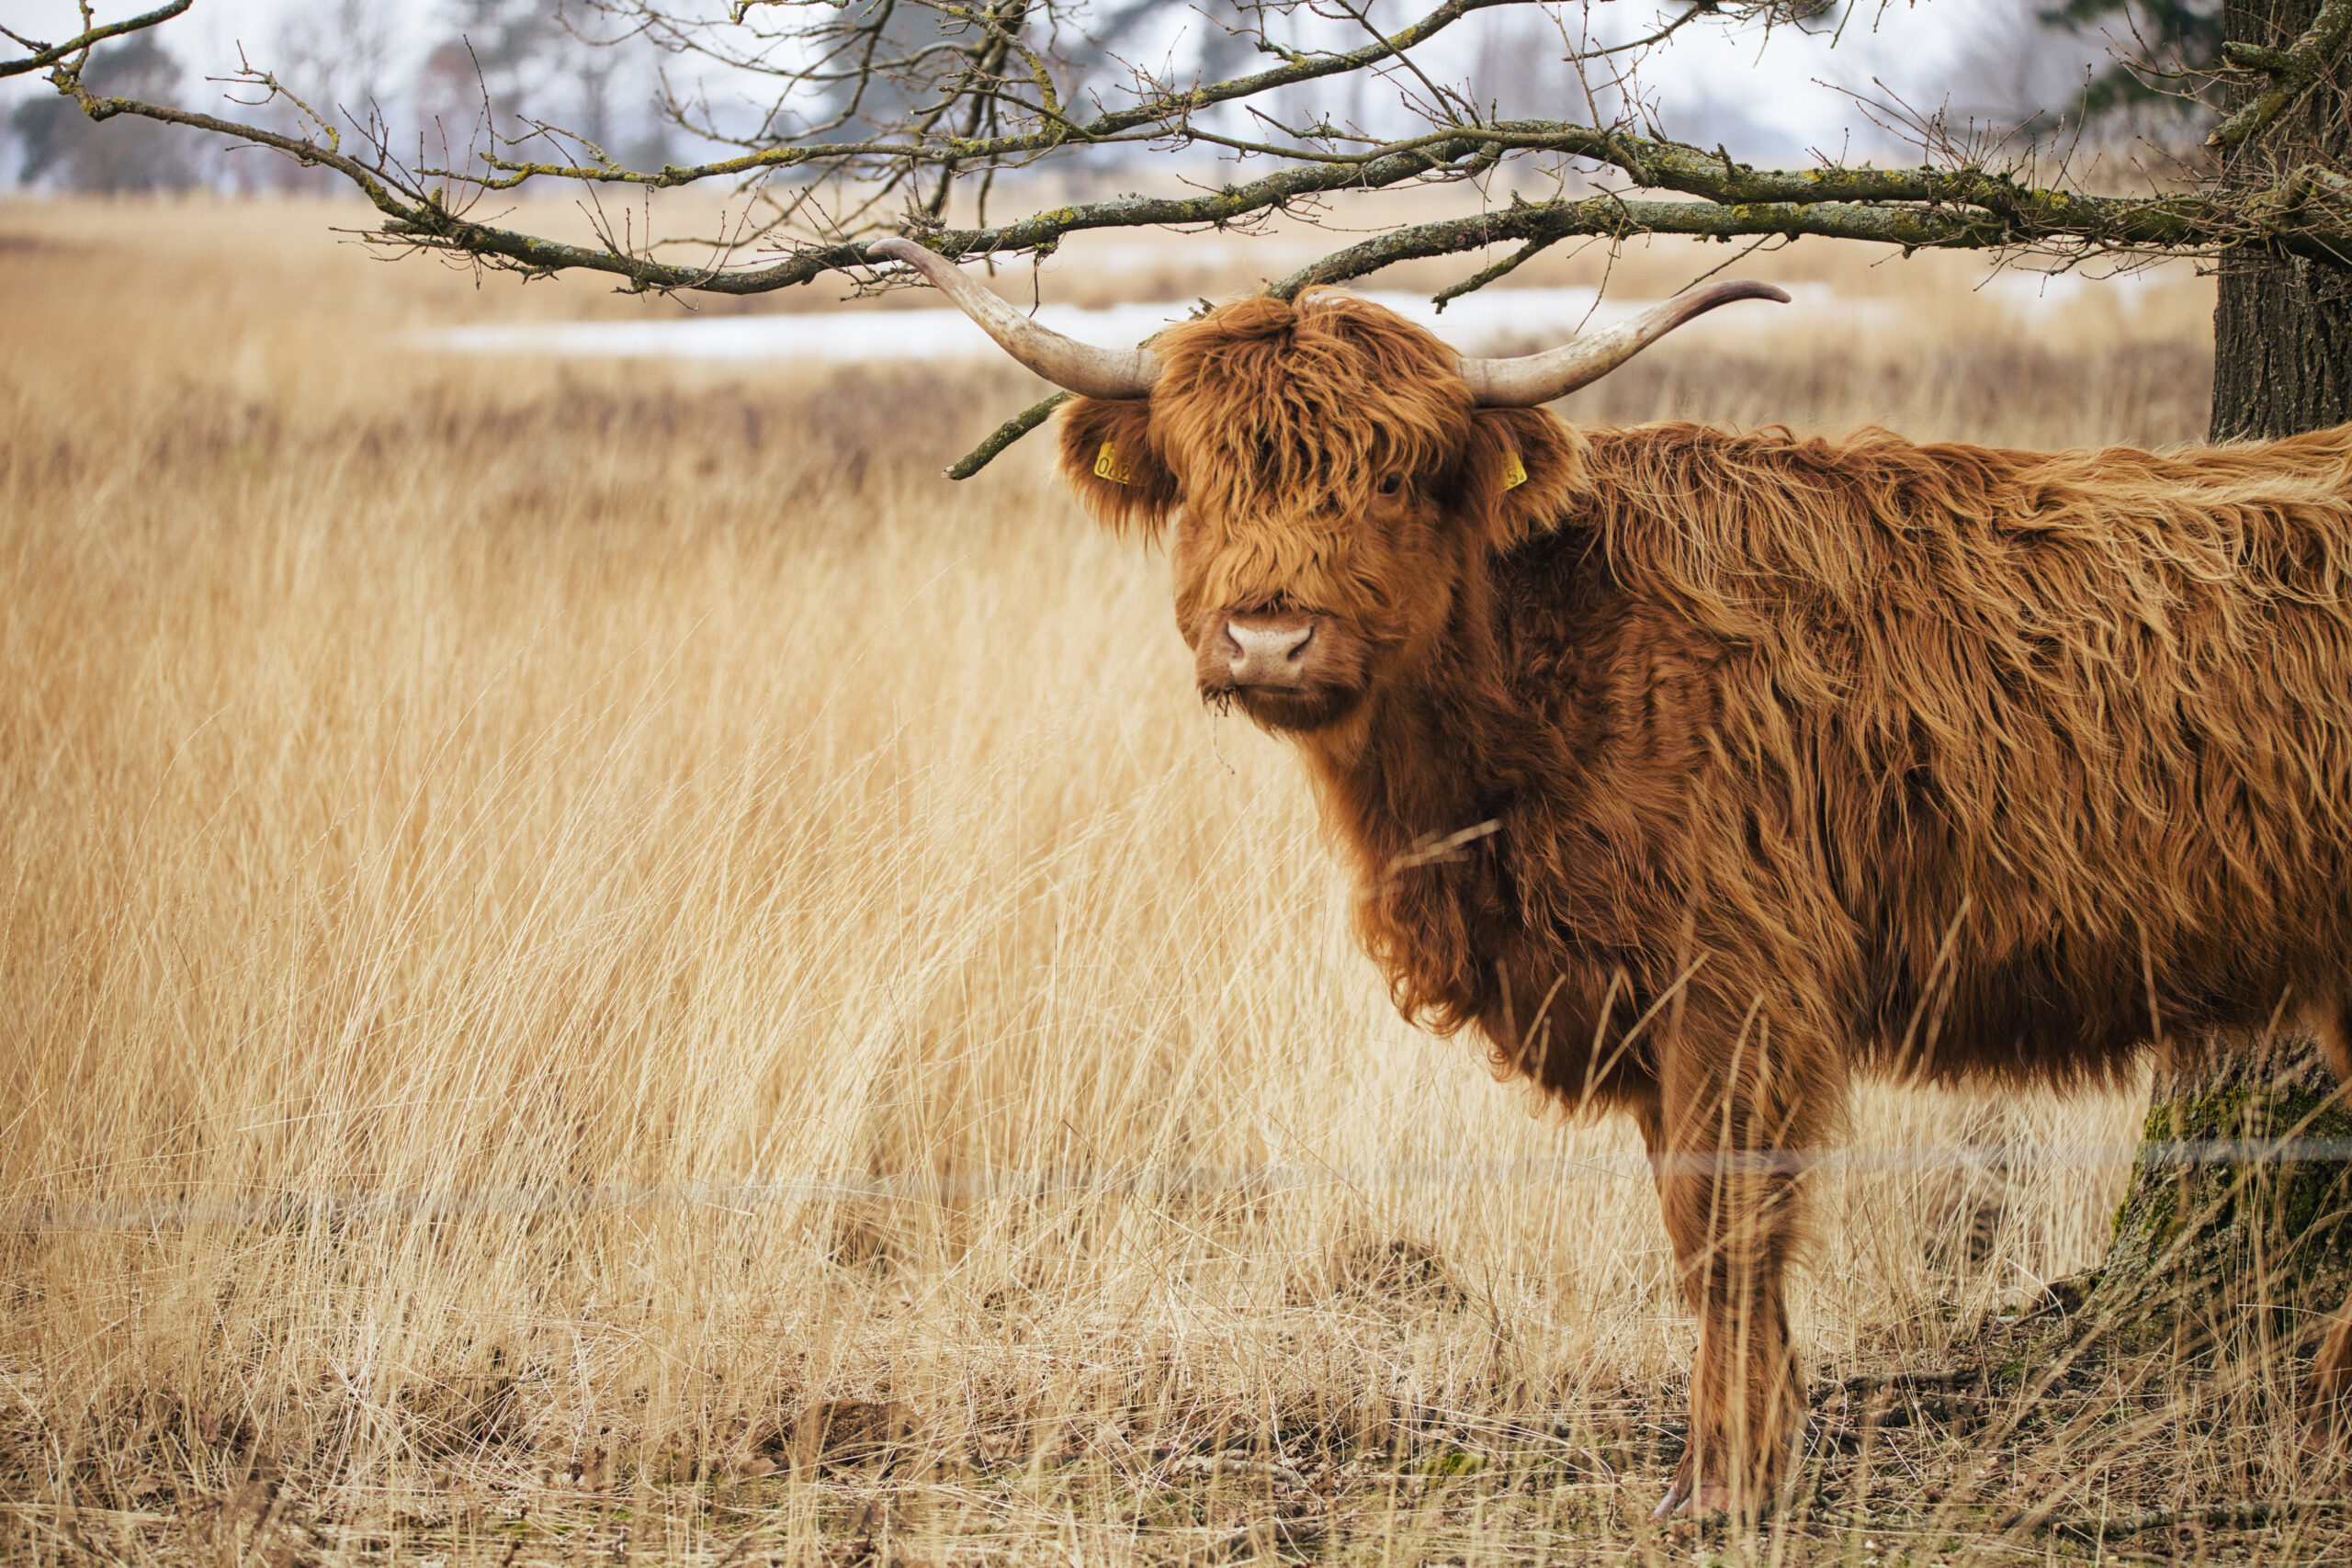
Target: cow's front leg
point(1724, 1139)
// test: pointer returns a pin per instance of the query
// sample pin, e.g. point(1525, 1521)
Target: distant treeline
point(428, 98)
point(488, 74)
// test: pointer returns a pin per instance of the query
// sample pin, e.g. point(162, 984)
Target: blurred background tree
point(2167, 82)
point(58, 145)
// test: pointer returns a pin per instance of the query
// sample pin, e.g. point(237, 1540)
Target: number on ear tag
point(1109, 465)
point(1513, 477)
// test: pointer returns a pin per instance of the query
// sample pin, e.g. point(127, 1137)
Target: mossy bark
point(2236, 1233)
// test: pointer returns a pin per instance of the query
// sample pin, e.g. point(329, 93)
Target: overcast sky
point(1771, 98)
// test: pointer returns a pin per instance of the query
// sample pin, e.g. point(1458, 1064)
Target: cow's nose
point(1267, 655)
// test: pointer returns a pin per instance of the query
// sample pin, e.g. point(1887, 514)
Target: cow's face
point(1337, 474)
point(1331, 489)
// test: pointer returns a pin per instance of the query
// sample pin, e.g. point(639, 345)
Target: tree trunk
point(2282, 349)
point(2212, 1250)
point(2282, 331)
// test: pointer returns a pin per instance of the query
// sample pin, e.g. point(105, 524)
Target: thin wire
point(338, 1210)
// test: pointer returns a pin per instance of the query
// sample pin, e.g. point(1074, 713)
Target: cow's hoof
point(1686, 1500)
point(2325, 1424)
point(2324, 1411)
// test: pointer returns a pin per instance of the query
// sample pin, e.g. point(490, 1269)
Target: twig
point(1880, 1383)
point(2221, 1516)
point(1486, 275)
point(1004, 436)
point(1213, 1464)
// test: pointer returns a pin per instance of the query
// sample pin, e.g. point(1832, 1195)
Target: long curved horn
point(1076, 367)
point(1539, 378)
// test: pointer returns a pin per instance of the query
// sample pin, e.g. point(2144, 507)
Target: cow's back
point(2005, 743)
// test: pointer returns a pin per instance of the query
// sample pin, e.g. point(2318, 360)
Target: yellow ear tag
point(1108, 465)
point(1513, 476)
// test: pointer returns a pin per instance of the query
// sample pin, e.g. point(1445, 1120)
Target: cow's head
point(1334, 472)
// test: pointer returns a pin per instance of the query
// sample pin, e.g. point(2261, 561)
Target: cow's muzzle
point(1267, 652)
point(1286, 669)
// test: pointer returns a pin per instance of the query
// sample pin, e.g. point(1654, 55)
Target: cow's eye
point(1391, 483)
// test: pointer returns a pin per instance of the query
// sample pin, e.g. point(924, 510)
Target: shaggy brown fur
point(1805, 757)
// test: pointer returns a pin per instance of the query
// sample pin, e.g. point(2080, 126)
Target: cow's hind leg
point(1722, 1140)
point(2327, 1394)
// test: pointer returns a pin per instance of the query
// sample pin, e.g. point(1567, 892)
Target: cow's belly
point(2055, 1017)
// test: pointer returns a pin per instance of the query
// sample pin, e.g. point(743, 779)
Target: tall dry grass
point(568, 926)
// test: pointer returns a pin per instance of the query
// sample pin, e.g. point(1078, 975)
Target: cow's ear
point(1521, 473)
point(1108, 459)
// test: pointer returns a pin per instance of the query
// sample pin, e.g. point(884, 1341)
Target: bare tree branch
point(885, 109)
point(44, 55)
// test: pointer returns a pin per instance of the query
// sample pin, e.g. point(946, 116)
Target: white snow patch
point(2032, 293)
point(1496, 318)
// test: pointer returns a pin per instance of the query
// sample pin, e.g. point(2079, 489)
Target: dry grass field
point(598, 966)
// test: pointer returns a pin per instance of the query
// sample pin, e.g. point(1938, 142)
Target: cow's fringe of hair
point(1301, 406)
point(1313, 399)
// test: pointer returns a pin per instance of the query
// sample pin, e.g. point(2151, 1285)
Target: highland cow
point(1699, 772)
